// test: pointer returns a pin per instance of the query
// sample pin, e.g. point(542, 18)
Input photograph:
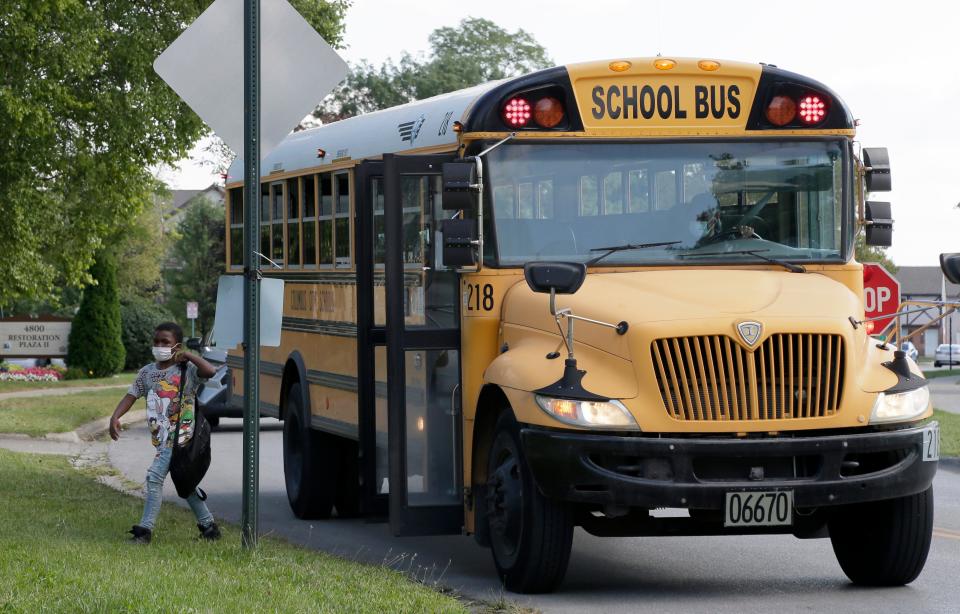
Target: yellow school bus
point(584, 295)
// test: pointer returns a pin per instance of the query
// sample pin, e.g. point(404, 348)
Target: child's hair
point(171, 327)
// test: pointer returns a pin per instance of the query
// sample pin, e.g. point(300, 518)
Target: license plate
point(931, 443)
point(758, 508)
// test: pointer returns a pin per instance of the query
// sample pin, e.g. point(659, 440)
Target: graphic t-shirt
point(161, 389)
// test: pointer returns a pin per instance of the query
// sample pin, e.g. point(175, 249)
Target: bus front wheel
point(309, 461)
point(530, 535)
point(884, 543)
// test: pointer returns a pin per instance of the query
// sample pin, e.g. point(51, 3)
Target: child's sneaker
point(141, 535)
point(211, 532)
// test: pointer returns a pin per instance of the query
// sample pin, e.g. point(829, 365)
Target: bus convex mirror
point(459, 242)
point(950, 265)
point(461, 190)
point(877, 166)
point(194, 343)
point(559, 277)
point(879, 224)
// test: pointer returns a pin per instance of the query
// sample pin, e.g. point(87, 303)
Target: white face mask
point(162, 354)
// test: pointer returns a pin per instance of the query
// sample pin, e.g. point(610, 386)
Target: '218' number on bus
point(480, 297)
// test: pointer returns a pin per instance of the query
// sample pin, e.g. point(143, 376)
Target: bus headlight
point(901, 406)
point(603, 414)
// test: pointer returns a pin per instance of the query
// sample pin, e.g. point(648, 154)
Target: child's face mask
point(162, 354)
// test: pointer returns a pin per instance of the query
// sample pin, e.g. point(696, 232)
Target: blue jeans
point(156, 474)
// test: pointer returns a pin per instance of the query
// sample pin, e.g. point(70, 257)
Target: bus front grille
point(713, 378)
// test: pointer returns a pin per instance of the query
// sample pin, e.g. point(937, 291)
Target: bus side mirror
point(193, 343)
point(879, 224)
point(459, 242)
point(461, 190)
point(877, 163)
point(555, 277)
point(950, 265)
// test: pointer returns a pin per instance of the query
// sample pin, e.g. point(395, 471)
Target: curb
point(85, 432)
point(950, 463)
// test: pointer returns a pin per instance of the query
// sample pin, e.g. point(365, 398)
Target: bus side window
point(236, 227)
point(326, 220)
point(589, 196)
point(613, 193)
point(665, 186)
point(525, 201)
point(293, 222)
point(276, 222)
point(309, 184)
point(545, 199)
point(342, 240)
point(639, 189)
point(504, 205)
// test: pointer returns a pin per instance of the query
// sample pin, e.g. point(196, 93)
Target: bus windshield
point(713, 201)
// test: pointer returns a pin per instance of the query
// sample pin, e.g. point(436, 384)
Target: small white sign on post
point(193, 308)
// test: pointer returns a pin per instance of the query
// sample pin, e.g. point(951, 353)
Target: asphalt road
point(688, 574)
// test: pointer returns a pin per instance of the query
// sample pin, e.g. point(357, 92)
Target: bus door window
point(236, 227)
point(276, 222)
point(325, 218)
point(379, 255)
point(309, 192)
point(342, 221)
point(293, 222)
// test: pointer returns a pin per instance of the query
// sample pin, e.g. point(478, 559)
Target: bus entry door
point(424, 421)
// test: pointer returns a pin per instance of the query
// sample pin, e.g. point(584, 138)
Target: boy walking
point(160, 383)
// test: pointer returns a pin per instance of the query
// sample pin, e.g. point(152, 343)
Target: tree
point(140, 244)
point(83, 116)
point(138, 321)
point(200, 253)
point(476, 51)
point(95, 345)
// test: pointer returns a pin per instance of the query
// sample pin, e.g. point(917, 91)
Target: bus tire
point(348, 480)
point(530, 535)
point(309, 461)
point(884, 543)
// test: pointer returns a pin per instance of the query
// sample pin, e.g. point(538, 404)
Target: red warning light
point(516, 112)
point(812, 109)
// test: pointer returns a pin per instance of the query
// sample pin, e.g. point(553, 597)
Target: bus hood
point(671, 303)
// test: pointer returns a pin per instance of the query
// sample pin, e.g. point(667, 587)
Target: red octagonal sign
point(881, 296)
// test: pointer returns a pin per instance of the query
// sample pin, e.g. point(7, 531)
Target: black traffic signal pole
point(251, 280)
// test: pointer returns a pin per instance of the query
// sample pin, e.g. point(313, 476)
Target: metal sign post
point(251, 283)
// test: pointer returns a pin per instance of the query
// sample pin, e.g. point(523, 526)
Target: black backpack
point(190, 461)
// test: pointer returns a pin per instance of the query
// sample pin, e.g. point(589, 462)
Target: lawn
point(122, 378)
point(38, 416)
point(949, 432)
point(63, 549)
point(935, 373)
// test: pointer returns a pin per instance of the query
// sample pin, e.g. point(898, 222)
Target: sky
point(895, 64)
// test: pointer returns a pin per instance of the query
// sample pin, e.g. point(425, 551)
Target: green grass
point(949, 432)
point(122, 378)
point(934, 374)
point(63, 549)
point(38, 416)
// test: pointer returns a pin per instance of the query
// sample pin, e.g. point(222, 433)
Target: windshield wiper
point(625, 247)
point(793, 268)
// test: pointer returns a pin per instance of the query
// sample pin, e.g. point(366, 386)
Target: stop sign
point(881, 295)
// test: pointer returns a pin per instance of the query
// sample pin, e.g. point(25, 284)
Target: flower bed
point(14, 373)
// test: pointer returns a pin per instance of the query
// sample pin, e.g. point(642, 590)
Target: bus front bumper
point(652, 472)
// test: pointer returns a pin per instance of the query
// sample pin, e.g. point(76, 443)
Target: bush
point(74, 373)
point(139, 317)
point(95, 344)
